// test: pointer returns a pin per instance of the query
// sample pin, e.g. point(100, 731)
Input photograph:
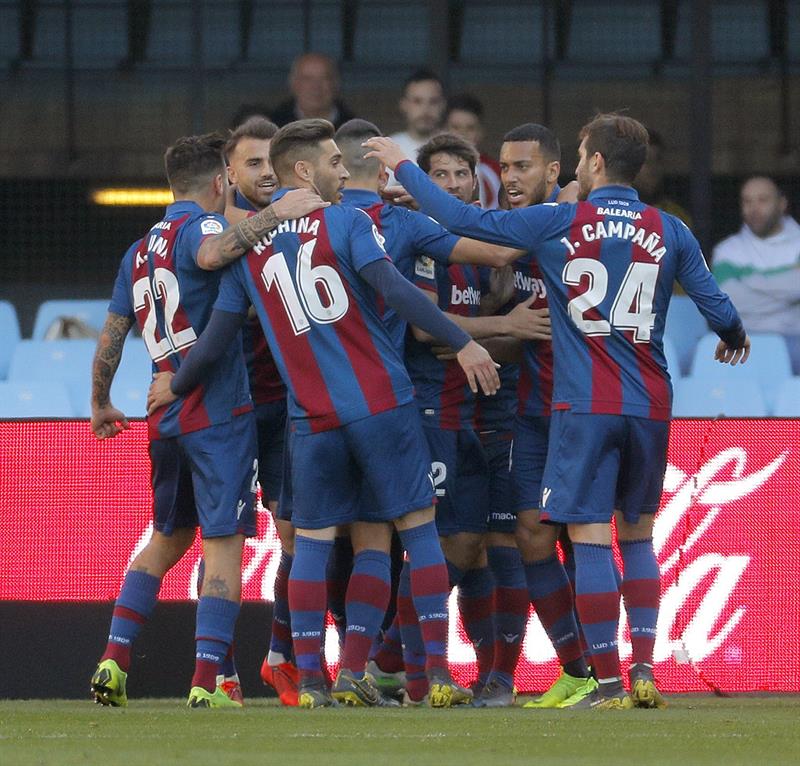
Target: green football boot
point(200, 697)
point(565, 687)
point(108, 685)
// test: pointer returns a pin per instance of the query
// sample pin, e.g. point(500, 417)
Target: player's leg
point(639, 492)
point(224, 475)
point(278, 669)
point(340, 565)
point(579, 489)
point(395, 462)
point(366, 600)
point(174, 525)
point(546, 581)
point(325, 485)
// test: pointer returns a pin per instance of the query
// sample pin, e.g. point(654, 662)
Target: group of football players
point(431, 395)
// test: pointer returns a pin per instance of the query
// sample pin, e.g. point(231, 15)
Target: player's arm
point(411, 304)
point(717, 308)
point(107, 420)
point(218, 251)
point(519, 229)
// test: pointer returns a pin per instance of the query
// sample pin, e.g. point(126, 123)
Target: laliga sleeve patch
point(210, 226)
point(424, 267)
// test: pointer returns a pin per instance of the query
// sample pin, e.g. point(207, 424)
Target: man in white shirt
point(422, 104)
point(759, 266)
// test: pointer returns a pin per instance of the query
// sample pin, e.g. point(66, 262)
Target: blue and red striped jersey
point(161, 287)
point(320, 318)
point(608, 264)
point(407, 235)
point(441, 387)
point(265, 381)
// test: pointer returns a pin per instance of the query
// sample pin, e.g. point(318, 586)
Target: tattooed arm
point(218, 251)
point(107, 421)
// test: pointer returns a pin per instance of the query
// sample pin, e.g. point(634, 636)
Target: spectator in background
point(759, 266)
point(464, 117)
point(422, 104)
point(314, 84)
point(650, 181)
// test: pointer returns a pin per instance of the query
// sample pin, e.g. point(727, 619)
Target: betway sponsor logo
point(469, 296)
point(530, 285)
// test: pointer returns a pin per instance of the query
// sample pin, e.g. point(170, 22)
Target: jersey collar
point(184, 206)
point(360, 197)
point(616, 191)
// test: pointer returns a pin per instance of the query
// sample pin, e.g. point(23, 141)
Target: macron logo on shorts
point(545, 496)
point(239, 509)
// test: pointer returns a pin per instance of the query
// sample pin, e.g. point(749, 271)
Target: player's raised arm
point(715, 305)
point(107, 420)
point(511, 228)
point(218, 251)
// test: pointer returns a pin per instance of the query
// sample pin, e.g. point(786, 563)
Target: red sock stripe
point(356, 651)
point(606, 665)
point(552, 607)
point(511, 600)
point(205, 675)
point(478, 608)
point(120, 653)
point(642, 593)
point(428, 581)
point(569, 651)
point(129, 614)
point(598, 607)
point(307, 596)
point(367, 589)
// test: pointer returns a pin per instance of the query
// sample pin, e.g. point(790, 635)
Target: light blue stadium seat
point(65, 361)
point(703, 398)
point(129, 389)
point(673, 361)
point(788, 400)
point(684, 327)
point(34, 399)
point(9, 335)
point(93, 312)
point(768, 365)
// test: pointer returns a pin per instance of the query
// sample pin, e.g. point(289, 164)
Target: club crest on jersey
point(469, 296)
point(424, 267)
point(210, 226)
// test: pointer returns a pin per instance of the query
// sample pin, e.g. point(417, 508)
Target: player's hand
point(385, 150)
point(569, 193)
point(298, 203)
point(732, 356)
point(160, 394)
point(526, 323)
point(397, 195)
point(480, 368)
point(108, 421)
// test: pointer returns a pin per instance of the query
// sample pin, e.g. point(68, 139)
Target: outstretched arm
point(107, 421)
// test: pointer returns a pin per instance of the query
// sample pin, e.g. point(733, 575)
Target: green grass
point(694, 730)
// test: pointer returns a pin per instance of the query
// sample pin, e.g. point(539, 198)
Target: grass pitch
point(694, 730)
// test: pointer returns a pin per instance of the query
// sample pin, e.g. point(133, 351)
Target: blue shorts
point(497, 447)
point(386, 453)
point(271, 430)
point(528, 458)
point(461, 475)
point(596, 463)
point(207, 478)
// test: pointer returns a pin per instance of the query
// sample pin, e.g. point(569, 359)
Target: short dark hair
point(192, 160)
point(294, 141)
point(421, 75)
point(531, 131)
point(254, 127)
point(622, 142)
point(465, 102)
point(447, 143)
point(349, 138)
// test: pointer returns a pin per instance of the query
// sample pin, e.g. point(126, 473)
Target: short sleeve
point(232, 295)
point(122, 296)
point(366, 243)
point(429, 237)
point(199, 229)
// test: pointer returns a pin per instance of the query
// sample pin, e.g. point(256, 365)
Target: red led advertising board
point(74, 511)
